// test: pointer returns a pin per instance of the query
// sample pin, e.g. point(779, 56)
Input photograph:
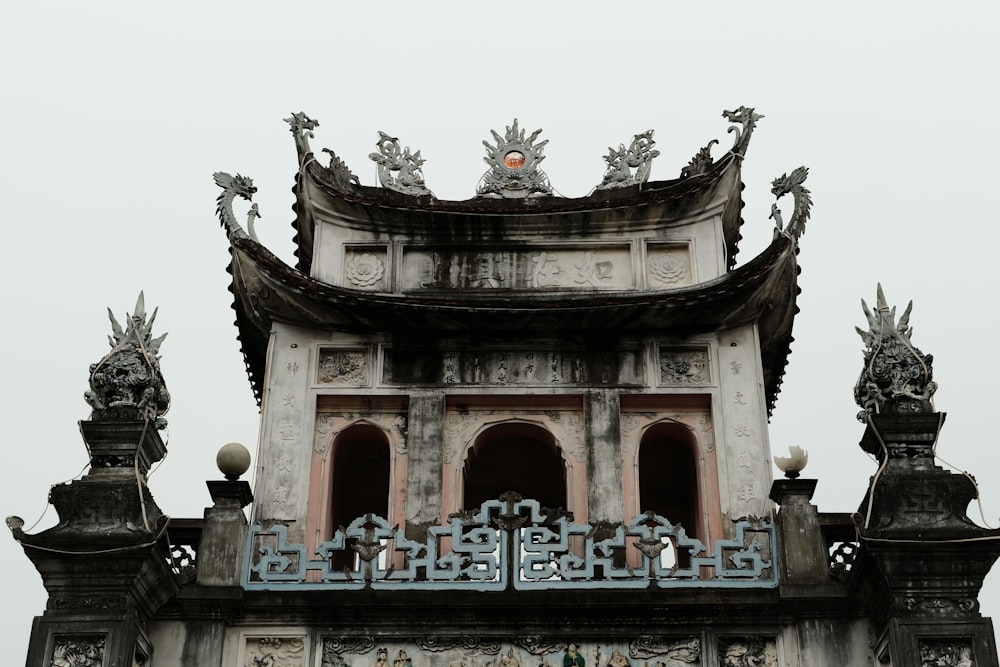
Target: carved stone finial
point(701, 162)
point(793, 464)
point(897, 377)
point(409, 178)
point(233, 187)
point(513, 165)
point(629, 166)
point(302, 127)
point(792, 183)
point(126, 385)
point(747, 118)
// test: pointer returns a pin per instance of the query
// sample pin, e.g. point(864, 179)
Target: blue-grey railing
point(511, 542)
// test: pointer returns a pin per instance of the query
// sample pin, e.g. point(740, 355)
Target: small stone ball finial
point(233, 460)
point(792, 465)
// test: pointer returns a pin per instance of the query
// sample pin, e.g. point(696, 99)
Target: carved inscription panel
point(684, 367)
point(343, 367)
point(274, 652)
point(537, 267)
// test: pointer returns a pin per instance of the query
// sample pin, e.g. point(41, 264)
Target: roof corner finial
point(233, 187)
point(302, 127)
point(802, 198)
point(897, 377)
point(747, 118)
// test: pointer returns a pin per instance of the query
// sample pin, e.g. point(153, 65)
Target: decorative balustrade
point(841, 540)
point(512, 542)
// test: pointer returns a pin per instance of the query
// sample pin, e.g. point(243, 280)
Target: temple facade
point(515, 430)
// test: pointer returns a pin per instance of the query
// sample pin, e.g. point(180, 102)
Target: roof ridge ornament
point(339, 172)
point(631, 166)
point(391, 158)
point(701, 162)
point(233, 187)
point(792, 183)
point(897, 377)
point(513, 163)
point(126, 384)
point(747, 118)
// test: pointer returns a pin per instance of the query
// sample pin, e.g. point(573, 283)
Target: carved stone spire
point(126, 384)
point(897, 377)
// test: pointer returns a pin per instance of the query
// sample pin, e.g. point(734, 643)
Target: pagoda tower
point(519, 430)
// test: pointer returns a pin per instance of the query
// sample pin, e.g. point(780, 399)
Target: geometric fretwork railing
point(473, 552)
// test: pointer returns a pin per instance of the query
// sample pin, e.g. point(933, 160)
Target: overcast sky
point(114, 119)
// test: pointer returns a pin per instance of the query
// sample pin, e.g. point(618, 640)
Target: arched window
point(668, 476)
point(515, 456)
point(360, 475)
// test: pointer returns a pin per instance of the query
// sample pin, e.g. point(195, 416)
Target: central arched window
point(668, 476)
point(515, 456)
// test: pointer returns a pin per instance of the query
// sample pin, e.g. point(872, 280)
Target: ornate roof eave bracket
point(267, 290)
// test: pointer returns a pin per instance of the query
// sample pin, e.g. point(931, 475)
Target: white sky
point(114, 119)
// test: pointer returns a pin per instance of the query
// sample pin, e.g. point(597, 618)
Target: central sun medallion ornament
point(513, 163)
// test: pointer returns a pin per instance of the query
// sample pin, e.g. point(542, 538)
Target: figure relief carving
point(365, 269)
point(78, 651)
point(684, 367)
point(748, 652)
point(346, 367)
point(668, 268)
point(275, 652)
point(950, 652)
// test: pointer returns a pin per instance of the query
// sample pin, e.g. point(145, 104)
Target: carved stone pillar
point(106, 564)
point(922, 562)
point(602, 417)
point(224, 535)
point(803, 560)
point(424, 453)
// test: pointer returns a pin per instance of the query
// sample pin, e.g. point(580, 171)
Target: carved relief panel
point(367, 268)
point(748, 652)
point(346, 367)
point(668, 265)
point(274, 651)
point(685, 367)
point(78, 651)
point(518, 267)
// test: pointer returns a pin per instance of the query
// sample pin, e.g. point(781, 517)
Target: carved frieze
point(539, 367)
point(274, 652)
point(343, 367)
point(528, 651)
point(668, 265)
point(748, 652)
point(950, 652)
point(684, 367)
point(518, 267)
point(78, 651)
